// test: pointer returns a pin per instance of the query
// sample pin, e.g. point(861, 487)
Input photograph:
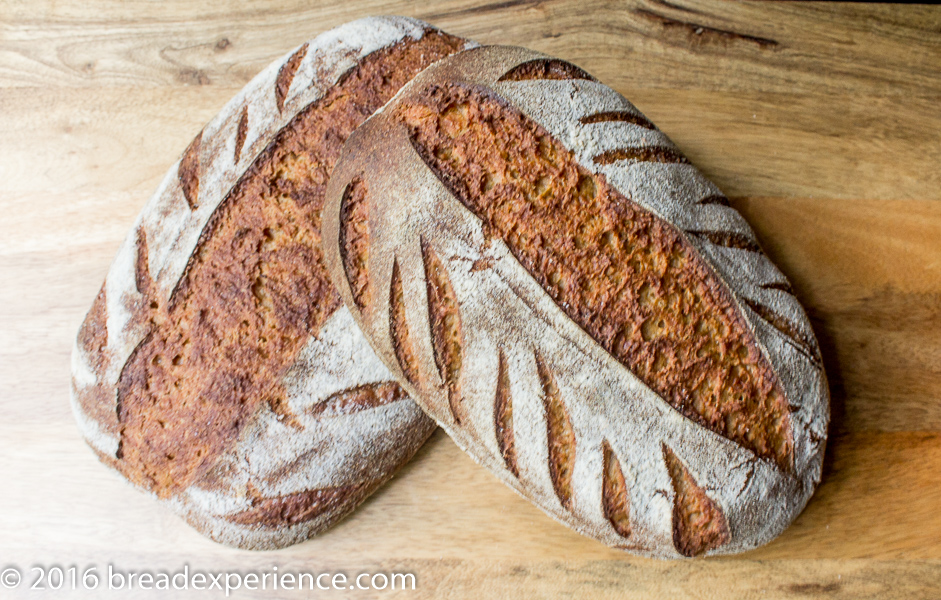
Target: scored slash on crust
point(241, 131)
point(545, 68)
point(621, 116)
point(286, 75)
point(553, 69)
point(354, 241)
point(93, 334)
point(699, 524)
point(614, 495)
point(560, 436)
point(291, 509)
point(143, 310)
point(728, 239)
point(654, 154)
point(594, 250)
point(782, 286)
point(618, 267)
point(714, 199)
point(445, 319)
point(188, 172)
point(503, 417)
point(209, 176)
point(739, 241)
point(790, 331)
point(398, 328)
point(142, 279)
point(359, 398)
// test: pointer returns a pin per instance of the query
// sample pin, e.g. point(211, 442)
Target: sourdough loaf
point(217, 368)
point(578, 307)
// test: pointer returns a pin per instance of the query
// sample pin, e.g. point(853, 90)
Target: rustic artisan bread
point(578, 306)
point(217, 368)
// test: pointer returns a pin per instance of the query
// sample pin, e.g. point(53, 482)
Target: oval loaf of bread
point(578, 306)
point(217, 368)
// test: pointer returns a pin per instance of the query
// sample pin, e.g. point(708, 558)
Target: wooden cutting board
point(822, 122)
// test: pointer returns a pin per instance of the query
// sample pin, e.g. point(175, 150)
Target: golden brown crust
point(255, 288)
point(93, 334)
point(621, 116)
point(363, 397)
point(560, 436)
point(503, 417)
point(510, 198)
point(398, 328)
point(445, 317)
point(286, 76)
point(188, 172)
point(280, 511)
point(699, 525)
point(251, 179)
point(240, 134)
point(662, 155)
point(627, 277)
point(96, 400)
point(614, 494)
point(545, 68)
point(354, 234)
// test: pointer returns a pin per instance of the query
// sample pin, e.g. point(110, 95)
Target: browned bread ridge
point(218, 368)
point(579, 307)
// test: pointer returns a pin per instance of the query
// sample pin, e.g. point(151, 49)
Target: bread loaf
point(217, 368)
point(578, 307)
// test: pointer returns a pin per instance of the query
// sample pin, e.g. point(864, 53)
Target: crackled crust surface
point(627, 278)
point(202, 372)
point(630, 360)
point(217, 368)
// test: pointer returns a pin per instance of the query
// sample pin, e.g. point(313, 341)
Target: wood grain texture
point(827, 140)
